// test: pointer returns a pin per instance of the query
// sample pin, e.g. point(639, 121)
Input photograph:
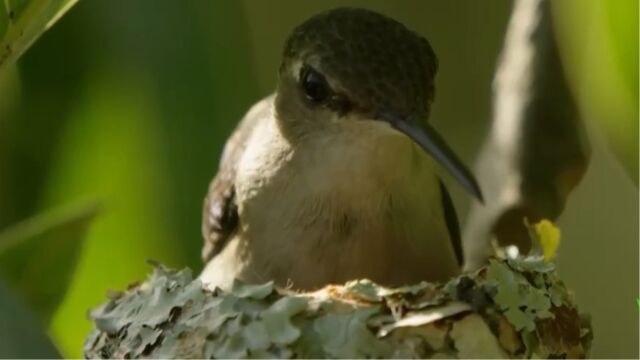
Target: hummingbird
point(334, 176)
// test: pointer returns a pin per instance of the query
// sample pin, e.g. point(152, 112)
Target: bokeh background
point(128, 103)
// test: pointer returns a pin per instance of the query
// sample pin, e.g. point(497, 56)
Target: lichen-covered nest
point(510, 308)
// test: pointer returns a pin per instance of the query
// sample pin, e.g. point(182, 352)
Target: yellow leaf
point(549, 237)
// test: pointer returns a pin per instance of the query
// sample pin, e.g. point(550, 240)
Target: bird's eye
point(315, 85)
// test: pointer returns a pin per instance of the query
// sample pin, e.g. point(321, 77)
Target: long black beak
point(429, 140)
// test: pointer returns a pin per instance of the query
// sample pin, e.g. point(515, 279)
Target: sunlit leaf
point(38, 255)
point(23, 21)
point(549, 237)
point(21, 335)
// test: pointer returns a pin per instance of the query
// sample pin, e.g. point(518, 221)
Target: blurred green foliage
point(129, 102)
point(21, 335)
point(23, 21)
point(128, 114)
point(123, 167)
point(604, 70)
point(26, 260)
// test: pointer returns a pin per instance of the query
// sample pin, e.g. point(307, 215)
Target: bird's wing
point(220, 212)
point(451, 220)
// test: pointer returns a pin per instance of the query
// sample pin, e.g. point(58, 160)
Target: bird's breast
point(348, 205)
point(360, 166)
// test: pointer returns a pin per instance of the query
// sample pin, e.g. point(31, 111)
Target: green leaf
point(38, 256)
point(20, 334)
point(23, 21)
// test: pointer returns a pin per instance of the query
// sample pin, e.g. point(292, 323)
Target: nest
point(512, 307)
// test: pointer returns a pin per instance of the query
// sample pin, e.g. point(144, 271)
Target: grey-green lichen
point(510, 308)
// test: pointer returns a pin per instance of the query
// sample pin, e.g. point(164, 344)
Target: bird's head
point(351, 64)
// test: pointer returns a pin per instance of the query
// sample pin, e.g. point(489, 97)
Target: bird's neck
point(356, 161)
